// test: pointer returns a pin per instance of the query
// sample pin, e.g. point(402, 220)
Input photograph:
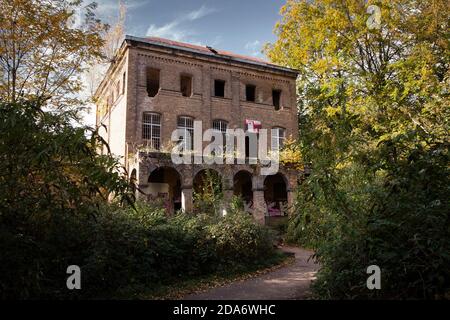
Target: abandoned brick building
point(157, 85)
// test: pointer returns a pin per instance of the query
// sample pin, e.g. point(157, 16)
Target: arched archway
point(207, 187)
point(164, 183)
point(243, 186)
point(275, 195)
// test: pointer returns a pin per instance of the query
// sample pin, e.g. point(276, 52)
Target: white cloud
point(254, 48)
point(170, 30)
point(200, 13)
point(178, 29)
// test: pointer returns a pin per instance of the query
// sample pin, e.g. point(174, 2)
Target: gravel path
point(287, 283)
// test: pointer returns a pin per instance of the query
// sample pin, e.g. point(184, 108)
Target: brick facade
point(123, 98)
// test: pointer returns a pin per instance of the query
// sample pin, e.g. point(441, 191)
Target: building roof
point(209, 51)
point(202, 50)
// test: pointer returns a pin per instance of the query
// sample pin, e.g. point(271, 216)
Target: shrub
point(399, 222)
point(128, 256)
point(240, 241)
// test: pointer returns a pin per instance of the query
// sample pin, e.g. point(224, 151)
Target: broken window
point(152, 82)
point(250, 92)
point(186, 85)
point(219, 88)
point(276, 98)
point(151, 129)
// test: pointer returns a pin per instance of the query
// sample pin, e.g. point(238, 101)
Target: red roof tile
point(205, 49)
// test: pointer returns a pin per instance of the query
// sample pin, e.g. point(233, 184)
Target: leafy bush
point(240, 241)
point(129, 256)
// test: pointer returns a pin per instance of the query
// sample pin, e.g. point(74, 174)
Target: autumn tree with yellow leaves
point(44, 48)
point(374, 125)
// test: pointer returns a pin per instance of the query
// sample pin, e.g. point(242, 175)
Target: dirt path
point(286, 283)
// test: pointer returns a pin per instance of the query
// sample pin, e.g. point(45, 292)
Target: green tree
point(374, 120)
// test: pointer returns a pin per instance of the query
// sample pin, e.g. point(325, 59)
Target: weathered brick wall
point(202, 105)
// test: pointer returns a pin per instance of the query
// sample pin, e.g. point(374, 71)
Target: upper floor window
point(276, 98)
point(278, 137)
point(151, 129)
point(250, 92)
point(219, 88)
point(152, 81)
point(187, 125)
point(186, 85)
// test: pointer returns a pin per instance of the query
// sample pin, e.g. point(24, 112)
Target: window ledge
point(262, 105)
point(221, 99)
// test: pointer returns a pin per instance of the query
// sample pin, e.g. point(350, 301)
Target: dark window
point(276, 97)
point(186, 85)
point(152, 82)
point(250, 92)
point(219, 88)
point(151, 129)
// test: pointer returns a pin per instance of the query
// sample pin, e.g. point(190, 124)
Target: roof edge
point(211, 54)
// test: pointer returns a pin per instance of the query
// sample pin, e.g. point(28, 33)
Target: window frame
point(148, 129)
point(221, 122)
point(277, 140)
point(187, 129)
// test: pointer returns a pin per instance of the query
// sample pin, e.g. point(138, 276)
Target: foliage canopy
point(374, 125)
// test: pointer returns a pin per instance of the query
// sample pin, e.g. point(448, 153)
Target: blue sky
point(240, 26)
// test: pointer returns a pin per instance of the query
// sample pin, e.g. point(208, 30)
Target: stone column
point(259, 206)
point(187, 203)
